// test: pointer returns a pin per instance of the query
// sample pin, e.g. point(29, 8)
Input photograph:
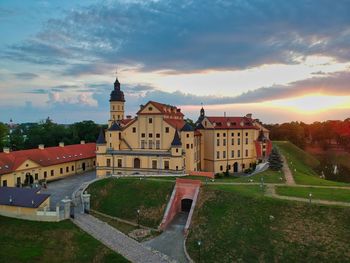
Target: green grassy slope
point(248, 227)
point(303, 165)
point(123, 197)
point(28, 241)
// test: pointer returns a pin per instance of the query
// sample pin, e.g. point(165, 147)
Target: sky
point(279, 60)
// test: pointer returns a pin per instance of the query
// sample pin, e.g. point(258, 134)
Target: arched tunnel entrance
point(186, 205)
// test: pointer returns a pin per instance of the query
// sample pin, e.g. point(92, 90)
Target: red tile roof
point(232, 123)
point(9, 162)
point(165, 109)
point(177, 124)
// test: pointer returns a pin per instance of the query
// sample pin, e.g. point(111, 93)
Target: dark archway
point(29, 179)
point(186, 205)
point(83, 166)
point(235, 167)
point(137, 163)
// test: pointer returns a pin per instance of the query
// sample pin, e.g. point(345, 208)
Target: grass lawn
point(29, 241)
point(123, 197)
point(341, 195)
point(302, 165)
point(236, 227)
point(269, 176)
point(247, 190)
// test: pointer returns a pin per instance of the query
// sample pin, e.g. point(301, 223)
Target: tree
point(3, 135)
point(275, 160)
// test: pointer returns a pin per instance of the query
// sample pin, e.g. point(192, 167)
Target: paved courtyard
point(170, 242)
point(65, 187)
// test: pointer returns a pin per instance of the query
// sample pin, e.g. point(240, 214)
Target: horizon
point(280, 61)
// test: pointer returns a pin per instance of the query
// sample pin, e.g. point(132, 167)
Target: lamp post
point(199, 250)
point(138, 217)
point(310, 197)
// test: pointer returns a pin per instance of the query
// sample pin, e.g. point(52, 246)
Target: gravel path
point(287, 172)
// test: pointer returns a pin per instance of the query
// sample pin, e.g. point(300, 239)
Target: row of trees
point(323, 134)
point(30, 135)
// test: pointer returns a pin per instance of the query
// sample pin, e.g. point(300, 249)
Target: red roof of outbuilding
point(9, 162)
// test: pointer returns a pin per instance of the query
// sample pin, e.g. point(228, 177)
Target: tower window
point(167, 129)
point(150, 120)
point(134, 129)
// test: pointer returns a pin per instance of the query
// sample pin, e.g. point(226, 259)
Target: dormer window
point(150, 108)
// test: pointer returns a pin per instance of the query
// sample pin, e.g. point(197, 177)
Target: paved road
point(66, 186)
point(117, 241)
point(170, 242)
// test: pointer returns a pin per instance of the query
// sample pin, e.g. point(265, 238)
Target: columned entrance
point(29, 179)
point(137, 163)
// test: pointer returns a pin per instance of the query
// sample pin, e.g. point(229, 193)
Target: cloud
point(189, 35)
point(80, 99)
point(25, 75)
point(37, 91)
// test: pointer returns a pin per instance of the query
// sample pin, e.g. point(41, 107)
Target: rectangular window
point(134, 129)
point(191, 145)
point(239, 141)
point(232, 141)
point(166, 165)
point(119, 163)
point(166, 129)
point(4, 183)
point(154, 164)
point(143, 144)
point(45, 174)
point(157, 144)
point(187, 146)
point(246, 140)
point(243, 166)
point(188, 135)
point(36, 176)
point(233, 134)
point(239, 134)
point(158, 135)
point(232, 154)
point(150, 135)
point(224, 134)
point(224, 154)
point(217, 142)
point(61, 170)
point(246, 153)
point(218, 155)
point(218, 135)
point(221, 168)
point(143, 135)
point(150, 144)
point(150, 120)
point(72, 167)
point(246, 134)
point(67, 169)
point(108, 162)
point(239, 153)
point(52, 172)
point(224, 142)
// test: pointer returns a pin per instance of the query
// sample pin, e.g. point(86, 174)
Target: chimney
point(41, 146)
point(82, 142)
point(128, 117)
point(61, 144)
point(249, 115)
point(6, 150)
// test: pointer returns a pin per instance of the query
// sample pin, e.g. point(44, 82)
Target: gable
point(27, 164)
point(149, 108)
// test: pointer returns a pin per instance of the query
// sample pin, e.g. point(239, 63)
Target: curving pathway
point(287, 172)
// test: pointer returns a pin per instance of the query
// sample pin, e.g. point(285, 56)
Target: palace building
point(159, 140)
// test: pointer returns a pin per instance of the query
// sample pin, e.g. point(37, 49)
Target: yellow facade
point(145, 144)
